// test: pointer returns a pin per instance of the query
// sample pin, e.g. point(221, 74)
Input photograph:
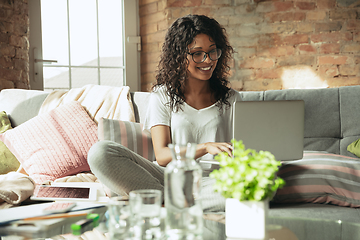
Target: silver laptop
point(274, 126)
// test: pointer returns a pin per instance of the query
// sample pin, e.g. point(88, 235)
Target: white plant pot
point(246, 219)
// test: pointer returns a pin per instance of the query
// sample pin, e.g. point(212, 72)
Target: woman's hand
point(217, 147)
point(161, 137)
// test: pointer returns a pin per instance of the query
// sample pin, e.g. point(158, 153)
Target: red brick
point(258, 63)
point(244, 41)
point(245, 19)
point(328, 26)
point(315, 15)
point(6, 26)
point(342, 14)
point(326, 4)
point(21, 53)
point(148, 29)
point(349, 70)
point(336, 60)
point(307, 60)
point(279, 51)
point(150, 47)
point(245, 8)
point(217, 2)
point(268, 73)
point(223, 11)
point(10, 74)
point(306, 49)
point(353, 24)
point(266, 41)
point(331, 37)
point(278, 28)
point(248, 30)
point(161, 5)
point(6, 62)
point(154, 37)
point(7, 50)
point(330, 48)
point(7, 84)
point(351, 48)
point(177, 12)
point(245, 74)
point(148, 9)
point(183, 3)
point(152, 18)
point(262, 85)
point(304, 27)
point(296, 39)
point(163, 25)
point(305, 5)
point(202, 10)
point(245, 52)
point(357, 59)
point(343, 81)
point(357, 36)
point(144, 2)
point(274, 6)
point(17, 41)
point(284, 17)
point(21, 64)
point(328, 71)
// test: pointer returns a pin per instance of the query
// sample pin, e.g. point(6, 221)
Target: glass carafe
point(183, 176)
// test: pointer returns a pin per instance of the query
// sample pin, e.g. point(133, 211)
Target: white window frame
point(132, 45)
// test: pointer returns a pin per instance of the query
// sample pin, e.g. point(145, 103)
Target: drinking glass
point(145, 205)
point(119, 221)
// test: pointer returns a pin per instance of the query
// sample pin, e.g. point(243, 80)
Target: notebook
point(274, 126)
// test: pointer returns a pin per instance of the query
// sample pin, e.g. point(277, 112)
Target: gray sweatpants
point(121, 170)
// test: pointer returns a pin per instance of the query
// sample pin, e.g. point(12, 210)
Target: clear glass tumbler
point(119, 220)
point(145, 207)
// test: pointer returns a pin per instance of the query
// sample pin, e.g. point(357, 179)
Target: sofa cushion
point(321, 178)
point(8, 161)
point(21, 104)
point(128, 134)
point(53, 144)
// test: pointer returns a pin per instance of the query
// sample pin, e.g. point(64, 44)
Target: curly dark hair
point(172, 68)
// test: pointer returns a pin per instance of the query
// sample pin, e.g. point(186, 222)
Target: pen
point(61, 215)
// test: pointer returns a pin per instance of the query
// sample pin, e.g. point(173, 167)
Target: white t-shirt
point(189, 124)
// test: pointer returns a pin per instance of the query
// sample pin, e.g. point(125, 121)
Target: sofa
point(331, 125)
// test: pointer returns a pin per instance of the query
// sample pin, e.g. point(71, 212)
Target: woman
point(190, 102)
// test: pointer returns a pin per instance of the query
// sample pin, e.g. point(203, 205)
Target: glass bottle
point(183, 175)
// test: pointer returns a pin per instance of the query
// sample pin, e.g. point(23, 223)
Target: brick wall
point(14, 44)
point(279, 44)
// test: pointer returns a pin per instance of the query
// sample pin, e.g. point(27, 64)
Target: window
point(79, 42)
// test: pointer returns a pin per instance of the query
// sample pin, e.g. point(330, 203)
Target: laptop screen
point(274, 126)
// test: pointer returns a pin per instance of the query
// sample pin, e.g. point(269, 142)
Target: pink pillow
point(128, 134)
point(54, 144)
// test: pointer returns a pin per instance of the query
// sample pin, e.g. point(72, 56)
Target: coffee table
point(214, 228)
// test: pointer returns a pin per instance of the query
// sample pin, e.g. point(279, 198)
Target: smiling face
point(201, 71)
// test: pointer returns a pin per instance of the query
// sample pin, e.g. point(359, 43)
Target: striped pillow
point(128, 134)
point(321, 178)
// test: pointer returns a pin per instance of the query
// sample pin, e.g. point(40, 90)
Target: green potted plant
point(248, 181)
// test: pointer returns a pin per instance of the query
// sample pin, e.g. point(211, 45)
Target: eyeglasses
point(199, 57)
